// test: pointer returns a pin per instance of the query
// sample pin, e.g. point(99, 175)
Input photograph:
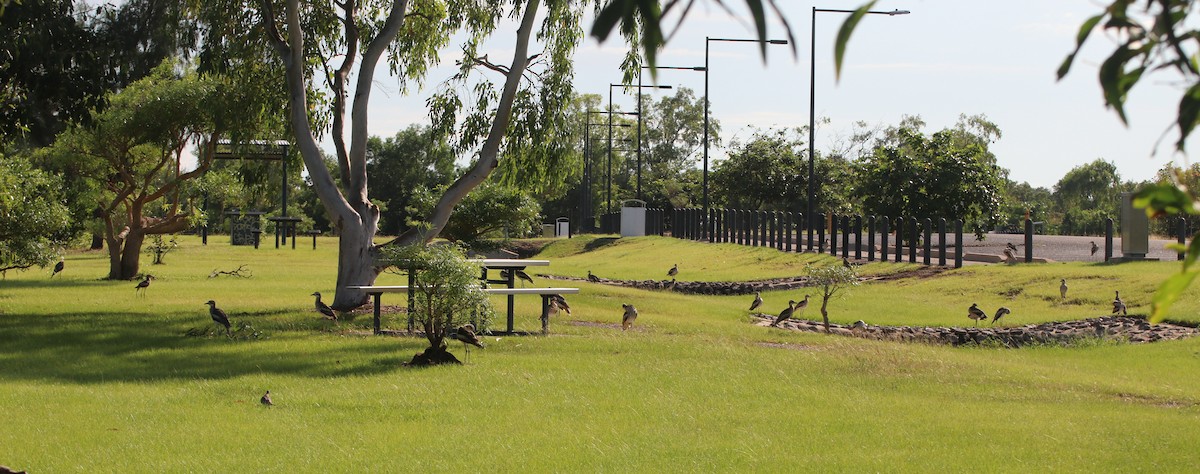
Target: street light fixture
point(608, 200)
point(812, 107)
point(707, 220)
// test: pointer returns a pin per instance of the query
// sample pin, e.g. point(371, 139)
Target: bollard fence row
point(898, 239)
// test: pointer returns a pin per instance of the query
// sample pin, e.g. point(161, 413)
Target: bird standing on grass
point(266, 399)
point(1000, 314)
point(629, 316)
point(785, 314)
point(58, 267)
point(1095, 248)
point(466, 335)
point(1119, 306)
point(673, 271)
point(758, 301)
point(593, 278)
point(800, 305)
point(845, 262)
point(976, 314)
point(218, 316)
point(1062, 289)
point(142, 285)
point(323, 308)
point(1009, 256)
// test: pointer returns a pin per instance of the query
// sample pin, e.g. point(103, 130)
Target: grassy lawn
point(94, 378)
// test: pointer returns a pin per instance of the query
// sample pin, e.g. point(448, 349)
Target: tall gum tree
point(309, 38)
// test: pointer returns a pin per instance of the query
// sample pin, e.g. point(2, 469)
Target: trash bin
point(547, 230)
point(633, 218)
point(562, 227)
point(1135, 230)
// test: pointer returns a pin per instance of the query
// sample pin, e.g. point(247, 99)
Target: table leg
point(512, 278)
point(376, 295)
point(545, 314)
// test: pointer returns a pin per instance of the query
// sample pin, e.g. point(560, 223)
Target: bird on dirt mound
point(58, 267)
point(323, 308)
point(1062, 289)
point(630, 315)
point(593, 278)
point(673, 271)
point(785, 314)
point(466, 335)
point(859, 325)
point(217, 315)
point(266, 399)
point(142, 285)
point(976, 314)
point(1119, 306)
point(1095, 248)
point(758, 301)
point(1000, 314)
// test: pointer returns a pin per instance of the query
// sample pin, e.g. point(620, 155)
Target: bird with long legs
point(800, 305)
point(785, 314)
point(1119, 306)
point(758, 301)
point(673, 271)
point(976, 314)
point(466, 335)
point(266, 399)
point(593, 278)
point(1095, 248)
point(1062, 289)
point(218, 316)
point(140, 289)
point(629, 317)
point(323, 308)
point(58, 267)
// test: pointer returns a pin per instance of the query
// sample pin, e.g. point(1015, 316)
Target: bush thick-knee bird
point(218, 315)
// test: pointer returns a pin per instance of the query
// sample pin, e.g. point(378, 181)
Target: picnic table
point(507, 278)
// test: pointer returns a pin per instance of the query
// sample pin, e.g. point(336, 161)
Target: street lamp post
point(681, 68)
point(707, 221)
point(608, 199)
point(812, 107)
point(588, 214)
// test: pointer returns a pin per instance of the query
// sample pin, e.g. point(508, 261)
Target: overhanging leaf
point(843, 37)
point(1080, 38)
point(1168, 293)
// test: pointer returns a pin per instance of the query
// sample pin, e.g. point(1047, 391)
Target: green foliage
point(159, 248)
point(447, 292)
point(489, 209)
point(401, 167)
point(831, 279)
point(950, 174)
point(766, 172)
point(34, 223)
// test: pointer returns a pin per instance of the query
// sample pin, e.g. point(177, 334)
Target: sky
point(946, 58)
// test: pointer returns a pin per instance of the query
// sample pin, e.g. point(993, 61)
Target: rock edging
point(1122, 328)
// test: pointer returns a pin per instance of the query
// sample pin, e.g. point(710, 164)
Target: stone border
point(1121, 328)
point(727, 288)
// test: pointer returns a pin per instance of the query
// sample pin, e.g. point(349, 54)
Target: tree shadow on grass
point(599, 243)
point(99, 347)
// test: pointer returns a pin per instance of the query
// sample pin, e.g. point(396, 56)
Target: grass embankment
point(94, 378)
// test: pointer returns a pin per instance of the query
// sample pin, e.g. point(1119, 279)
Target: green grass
point(92, 378)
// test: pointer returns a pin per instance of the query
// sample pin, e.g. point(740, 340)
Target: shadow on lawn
point(106, 347)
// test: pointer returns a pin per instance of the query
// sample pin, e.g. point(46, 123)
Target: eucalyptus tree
point(328, 49)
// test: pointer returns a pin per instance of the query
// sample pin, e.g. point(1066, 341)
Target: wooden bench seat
point(545, 293)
